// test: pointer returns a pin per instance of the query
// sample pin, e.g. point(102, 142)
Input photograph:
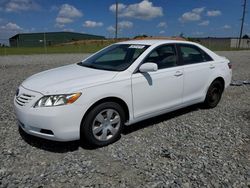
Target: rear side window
point(164, 56)
point(191, 54)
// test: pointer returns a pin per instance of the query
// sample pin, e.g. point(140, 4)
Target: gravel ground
point(191, 147)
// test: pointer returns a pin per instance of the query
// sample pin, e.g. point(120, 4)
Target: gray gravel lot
point(192, 147)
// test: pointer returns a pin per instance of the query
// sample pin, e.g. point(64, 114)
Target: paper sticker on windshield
point(137, 46)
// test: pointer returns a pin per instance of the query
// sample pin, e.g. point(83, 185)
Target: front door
point(157, 91)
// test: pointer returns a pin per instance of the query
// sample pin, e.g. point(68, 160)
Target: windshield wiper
point(87, 65)
point(96, 67)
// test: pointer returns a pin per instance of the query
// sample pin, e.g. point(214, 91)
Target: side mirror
point(148, 67)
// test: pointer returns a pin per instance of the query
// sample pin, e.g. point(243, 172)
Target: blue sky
point(199, 18)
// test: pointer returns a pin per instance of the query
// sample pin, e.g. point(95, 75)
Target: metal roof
point(59, 32)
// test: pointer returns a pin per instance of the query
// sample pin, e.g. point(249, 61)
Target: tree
point(246, 37)
point(140, 36)
point(182, 35)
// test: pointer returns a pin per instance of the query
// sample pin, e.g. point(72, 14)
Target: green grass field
point(73, 48)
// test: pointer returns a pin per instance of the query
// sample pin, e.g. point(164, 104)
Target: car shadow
point(64, 147)
point(48, 145)
point(158, 119)
point(54, 146)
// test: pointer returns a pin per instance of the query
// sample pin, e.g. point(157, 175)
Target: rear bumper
point(228, 78)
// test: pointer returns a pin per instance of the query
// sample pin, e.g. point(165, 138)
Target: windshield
point(117, 57)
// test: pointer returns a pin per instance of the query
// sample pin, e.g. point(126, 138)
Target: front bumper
point(60, 123)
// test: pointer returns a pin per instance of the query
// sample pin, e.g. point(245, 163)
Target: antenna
point(116, 19)
point(242, 21)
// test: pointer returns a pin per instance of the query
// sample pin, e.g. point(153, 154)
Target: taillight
point(230, 65)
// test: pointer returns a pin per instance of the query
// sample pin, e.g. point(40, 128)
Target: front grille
point(24, 99)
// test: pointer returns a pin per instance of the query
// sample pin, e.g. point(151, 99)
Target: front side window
point(117, 57)
point(191, 54)
point(163, 56)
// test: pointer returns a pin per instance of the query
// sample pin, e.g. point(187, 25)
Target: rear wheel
point(103, 124)
point(214, 94)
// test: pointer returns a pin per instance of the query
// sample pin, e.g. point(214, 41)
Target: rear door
point(197, 67)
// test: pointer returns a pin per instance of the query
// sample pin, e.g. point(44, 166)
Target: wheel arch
point(220, 78)
point(117, 100)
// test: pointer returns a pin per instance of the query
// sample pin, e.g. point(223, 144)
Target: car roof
point(152, 42)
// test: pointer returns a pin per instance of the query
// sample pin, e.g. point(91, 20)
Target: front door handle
point(178, 73)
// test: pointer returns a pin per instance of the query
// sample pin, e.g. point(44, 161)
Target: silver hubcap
point(106, 124)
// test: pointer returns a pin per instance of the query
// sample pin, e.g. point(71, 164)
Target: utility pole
point(44, 42)
point(116, 19)
point(242, 21)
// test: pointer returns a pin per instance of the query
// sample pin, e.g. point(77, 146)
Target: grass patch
point(76, 47)
point(68, 48)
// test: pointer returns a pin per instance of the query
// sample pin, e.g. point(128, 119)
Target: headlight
point(57, 100)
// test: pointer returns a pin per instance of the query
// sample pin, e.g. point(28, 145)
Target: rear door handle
point(178, 73)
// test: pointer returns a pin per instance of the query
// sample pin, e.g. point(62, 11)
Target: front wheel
point(214, 94)
point(103, 124)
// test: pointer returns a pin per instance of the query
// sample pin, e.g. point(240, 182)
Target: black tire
point(87, 131)
point(214, 94)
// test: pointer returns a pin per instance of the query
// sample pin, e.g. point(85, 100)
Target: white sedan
point(120, 85)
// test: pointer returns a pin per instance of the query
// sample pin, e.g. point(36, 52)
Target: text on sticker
point(137, 46)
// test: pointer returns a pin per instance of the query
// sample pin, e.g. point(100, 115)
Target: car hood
point(67, 79)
